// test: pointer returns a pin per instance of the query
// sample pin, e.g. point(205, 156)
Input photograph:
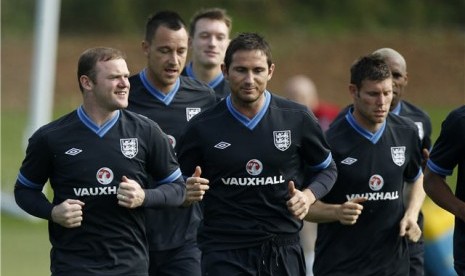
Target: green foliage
point(125, 16)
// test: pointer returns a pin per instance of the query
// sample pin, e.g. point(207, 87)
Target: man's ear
point(145, 46)
point(86, 82)
point(224, 70)
point(353, 90)
point(270, 71)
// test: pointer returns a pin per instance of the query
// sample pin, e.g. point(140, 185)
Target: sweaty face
point(166, 55)
point(111, 86)
point(399, 79)
point(248, 75)
point(372, 102)
point(210, 41)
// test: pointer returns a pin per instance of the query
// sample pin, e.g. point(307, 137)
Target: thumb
point(124, 179)
point(198, 172)
point(291, 187)
point(358, 199)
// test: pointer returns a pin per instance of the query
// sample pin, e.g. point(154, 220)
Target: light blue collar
point(166, 99)
point(249, 123)
point(99, 130)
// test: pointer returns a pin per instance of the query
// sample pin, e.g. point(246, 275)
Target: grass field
point(24, 244)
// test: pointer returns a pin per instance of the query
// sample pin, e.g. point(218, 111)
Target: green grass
point(24, 244)
point(25, 247)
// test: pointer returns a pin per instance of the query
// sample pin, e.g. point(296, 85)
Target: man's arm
point(170, 194)
point(415, 197)
point(68, 213)
point(346, 213)
point(322, 182)
point(437, 188)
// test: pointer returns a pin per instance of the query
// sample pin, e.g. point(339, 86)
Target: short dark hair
point(213, 14)
point(169, 19)
point(90, 57)
point(248, 42)
point(370, 67)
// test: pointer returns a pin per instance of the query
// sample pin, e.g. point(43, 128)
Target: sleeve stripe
point(171, 178)
point(435, 168)
point(324, 164)
point(416, 177)
point(26, 182)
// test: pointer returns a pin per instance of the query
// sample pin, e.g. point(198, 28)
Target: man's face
point(248, 75)
point(166, 55)
point(111, 87)
point(399, 79)
point(372, 102)
point(209, 42)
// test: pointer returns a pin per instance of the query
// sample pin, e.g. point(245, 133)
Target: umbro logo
point(349, 161)
point(222, 145)
point(73, 151)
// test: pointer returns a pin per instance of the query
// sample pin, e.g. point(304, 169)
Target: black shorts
point(184, 260)
point(280, 256)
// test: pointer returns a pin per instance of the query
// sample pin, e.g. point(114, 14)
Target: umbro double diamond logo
point(222, 145)
point(73, 151)
point(349, 161)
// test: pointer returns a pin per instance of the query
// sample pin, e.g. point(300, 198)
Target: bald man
point(398, 67)
point(302, 89)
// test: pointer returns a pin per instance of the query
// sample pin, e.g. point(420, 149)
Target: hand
point(196, 187)
point(299, 202)
point(409, 228)
point(68, 213)
point(130, 194)
point(349, 212)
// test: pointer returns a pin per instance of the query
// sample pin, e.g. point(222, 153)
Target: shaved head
point(302, 89)
point(398, 67)
point(389, 54)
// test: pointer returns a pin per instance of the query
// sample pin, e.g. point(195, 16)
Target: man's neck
point(98, 115)
point(165, 89)
point(249, 109)
point(205, 74)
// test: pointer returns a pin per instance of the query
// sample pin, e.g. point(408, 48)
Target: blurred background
point(317, 38)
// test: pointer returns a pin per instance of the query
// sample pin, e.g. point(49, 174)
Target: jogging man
point(171, 100)
point(253, 147)
point(101, 161)
point(363, 224)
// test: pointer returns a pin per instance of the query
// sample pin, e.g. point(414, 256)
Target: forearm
point(321, 212)
point(439, 191)
point(166, 195)
point(324, 181)
point(415, 197)
point(33, 202)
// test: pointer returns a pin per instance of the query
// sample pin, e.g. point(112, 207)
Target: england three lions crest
point(282, 139)
point(129, 147)
point(398, 155)
point(191, 112)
